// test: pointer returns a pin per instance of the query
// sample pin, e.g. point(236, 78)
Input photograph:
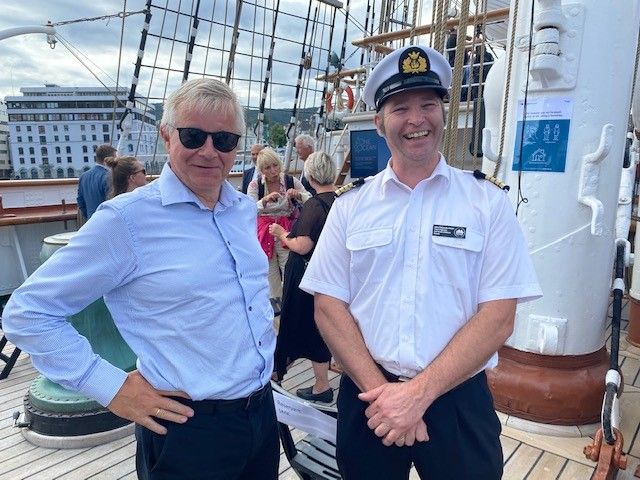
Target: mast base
point(555, 390)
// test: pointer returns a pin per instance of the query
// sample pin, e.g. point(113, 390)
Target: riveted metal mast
point(294, 113)
point(234, 41)
point(326, 70)
point(122, 126)
point(267, 77)
point(192, 41)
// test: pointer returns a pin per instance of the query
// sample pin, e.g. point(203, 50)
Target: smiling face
point(203, 170)
point(412, 122)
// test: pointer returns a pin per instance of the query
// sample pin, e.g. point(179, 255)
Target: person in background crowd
point(93, 184)
point(187, 289)
point(277, 196)
point(304, 147)
point(127, 174)
point(251, 173)
point(298, 336)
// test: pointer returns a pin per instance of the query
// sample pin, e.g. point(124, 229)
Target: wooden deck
point(526, 456)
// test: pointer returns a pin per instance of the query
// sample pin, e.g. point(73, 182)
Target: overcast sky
point(27, 60)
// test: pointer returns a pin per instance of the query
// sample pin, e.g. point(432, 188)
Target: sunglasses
point(144, 172)
point(193, 138)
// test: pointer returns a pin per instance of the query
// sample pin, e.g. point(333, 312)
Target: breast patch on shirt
point(449, 231)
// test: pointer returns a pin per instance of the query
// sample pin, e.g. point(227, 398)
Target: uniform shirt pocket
point(457, 261)
point(369, 248)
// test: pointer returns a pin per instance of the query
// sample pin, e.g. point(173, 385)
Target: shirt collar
point(103, 166)
point(172, 190)
point(442, 170)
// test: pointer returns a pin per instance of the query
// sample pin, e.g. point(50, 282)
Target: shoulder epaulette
point(483, 176)
point(349, 186)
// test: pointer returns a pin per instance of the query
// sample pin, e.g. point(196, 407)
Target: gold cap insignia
point(413, 62)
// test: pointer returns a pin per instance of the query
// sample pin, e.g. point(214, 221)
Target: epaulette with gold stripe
point(483, 176)
point(349, 186)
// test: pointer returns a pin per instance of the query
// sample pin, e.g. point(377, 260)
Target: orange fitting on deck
point(610, 458)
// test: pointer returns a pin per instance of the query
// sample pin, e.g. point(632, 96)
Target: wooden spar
point(192, 41)
point(234, 42)
point(497, 14)
point(294, 113)
point(341, 74)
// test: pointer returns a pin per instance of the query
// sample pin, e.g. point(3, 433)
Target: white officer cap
point(404, 69)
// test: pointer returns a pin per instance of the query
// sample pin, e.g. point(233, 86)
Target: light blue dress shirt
point(186, 286)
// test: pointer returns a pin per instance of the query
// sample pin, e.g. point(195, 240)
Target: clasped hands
point(395, 414)
point(276, 230)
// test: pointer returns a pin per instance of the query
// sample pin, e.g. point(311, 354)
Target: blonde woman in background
point(276, 195)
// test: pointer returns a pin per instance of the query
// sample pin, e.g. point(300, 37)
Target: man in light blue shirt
point(187, 288)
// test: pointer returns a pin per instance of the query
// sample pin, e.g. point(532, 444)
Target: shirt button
point(250, 308)
point(228, 243)
point(259, 344)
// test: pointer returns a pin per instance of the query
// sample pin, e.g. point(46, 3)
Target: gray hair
point(203, 95)
point(267, 155)
point(306, 140)
point(320, 167)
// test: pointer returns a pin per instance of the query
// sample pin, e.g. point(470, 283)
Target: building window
point(66, 138)
point(60, 173)
point(45, 160)
point(85, 149)
point(18, 128)
point(84, 138)
point(94, 138)
point(68, 149)
point(33, 160)
point(69, 160)
point(95, 147)
point(82, 128)
point(58, 159)
point(43, 151)
point(71, 172)
point(58, 150)
point(55, 128)
point(86, 159)
point(32, 151)
point(30, 138)
point(106, 138)
point(19, 138)
point(105, 128)
point(28, 128)
point(41, 129)
point(43, 139)
point(93, 128)
point(21, 161)
point(56, 138)
point(130, 147)
point(20, 151)
point(34, 173)
point(65, 128)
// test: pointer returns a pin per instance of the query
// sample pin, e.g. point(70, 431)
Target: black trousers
point(224, 440)
point(464, 438)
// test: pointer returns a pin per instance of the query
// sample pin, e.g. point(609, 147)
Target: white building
point(54, 131)
point(5, 161)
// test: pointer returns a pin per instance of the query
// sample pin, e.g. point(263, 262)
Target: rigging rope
point(102, 17)
point(326, 73)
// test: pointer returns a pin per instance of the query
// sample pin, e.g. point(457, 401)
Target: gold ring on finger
point(158, 410)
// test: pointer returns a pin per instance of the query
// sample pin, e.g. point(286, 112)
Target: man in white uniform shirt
point(416, 278)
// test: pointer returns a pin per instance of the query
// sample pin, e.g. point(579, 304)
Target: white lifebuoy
point(340, 105)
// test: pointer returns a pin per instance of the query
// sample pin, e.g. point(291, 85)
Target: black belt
point(398, 378)
point(227, 406)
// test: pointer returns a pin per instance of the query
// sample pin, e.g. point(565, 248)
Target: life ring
point(328, 99)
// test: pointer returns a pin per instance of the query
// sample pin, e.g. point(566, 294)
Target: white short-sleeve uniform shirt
point(414, 264)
